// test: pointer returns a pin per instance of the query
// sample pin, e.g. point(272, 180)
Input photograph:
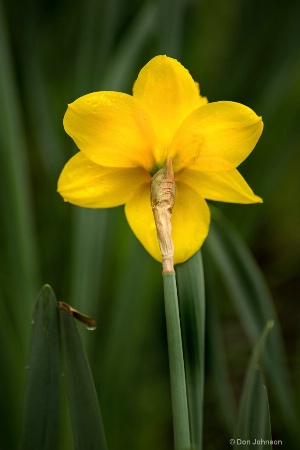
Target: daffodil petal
point(190, 221)
point(169, 94)
point(220, 186)
point(225, 131)
point(112, 129)
point(87, 184)
point(140, 218)
point(215, 165)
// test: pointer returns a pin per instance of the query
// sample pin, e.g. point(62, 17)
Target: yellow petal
point(225, 131)
point(169, 94)
point(87, 184)
point(140, 218)
point(220, 186)
point(112, 129)
point(190, 221)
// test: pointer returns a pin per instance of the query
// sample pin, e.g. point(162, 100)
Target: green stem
point(177, 374)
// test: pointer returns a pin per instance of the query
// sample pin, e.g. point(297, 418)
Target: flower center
point(156, 168)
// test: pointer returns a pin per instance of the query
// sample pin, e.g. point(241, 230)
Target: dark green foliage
point(87, 427)
point(53, 52)
point(41, 418)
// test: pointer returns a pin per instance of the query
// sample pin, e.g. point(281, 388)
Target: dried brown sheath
point(86, 320)
point(162, 202)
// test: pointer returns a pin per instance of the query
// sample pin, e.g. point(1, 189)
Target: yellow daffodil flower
point(124, 140)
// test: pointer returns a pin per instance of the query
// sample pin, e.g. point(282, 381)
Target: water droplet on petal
point(90, 189)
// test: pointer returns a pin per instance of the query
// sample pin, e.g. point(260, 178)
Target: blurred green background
point(52, 52)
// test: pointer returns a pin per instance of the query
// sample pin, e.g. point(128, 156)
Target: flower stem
point(162, 201)
point(176, 362)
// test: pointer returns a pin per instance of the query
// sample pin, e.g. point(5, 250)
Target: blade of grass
point(247, 288)
point(121, 64)
point(45, 131)
point(216, 352)
point(12, 379)
point(87, 427)
point(16, 206)
point(261, 422)
point(87, 258)
point(99, 27)
point(43, 392)
point(171, 26)
point(89, 37)
point(191, 292)
point(254, 419)
point(176, 362)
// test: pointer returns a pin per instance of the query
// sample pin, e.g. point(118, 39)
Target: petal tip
point(256, 199)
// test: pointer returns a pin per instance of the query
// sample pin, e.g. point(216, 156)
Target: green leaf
point(43, 391)
point(248, 290)
point(261, 422)
point(216, 363)
point(138, 34)
point(176, 362)
point(90, 226)
point(15, 193)
point(87, 427)
point(172, 23)
point(254, 418)
point(191, 293)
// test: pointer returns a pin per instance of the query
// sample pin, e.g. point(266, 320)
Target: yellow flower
point(124, 140)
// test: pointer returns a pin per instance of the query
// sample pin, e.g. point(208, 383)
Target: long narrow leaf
point(247, 289)
point(172, 15)
point(217, 364)
point(43, 392)
point(15, 191)
point(87, 256)
point(142, 28)
point(254, 421)
point(261, 415)
point(176, 362)
point(190, 280)
point(87, 427)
